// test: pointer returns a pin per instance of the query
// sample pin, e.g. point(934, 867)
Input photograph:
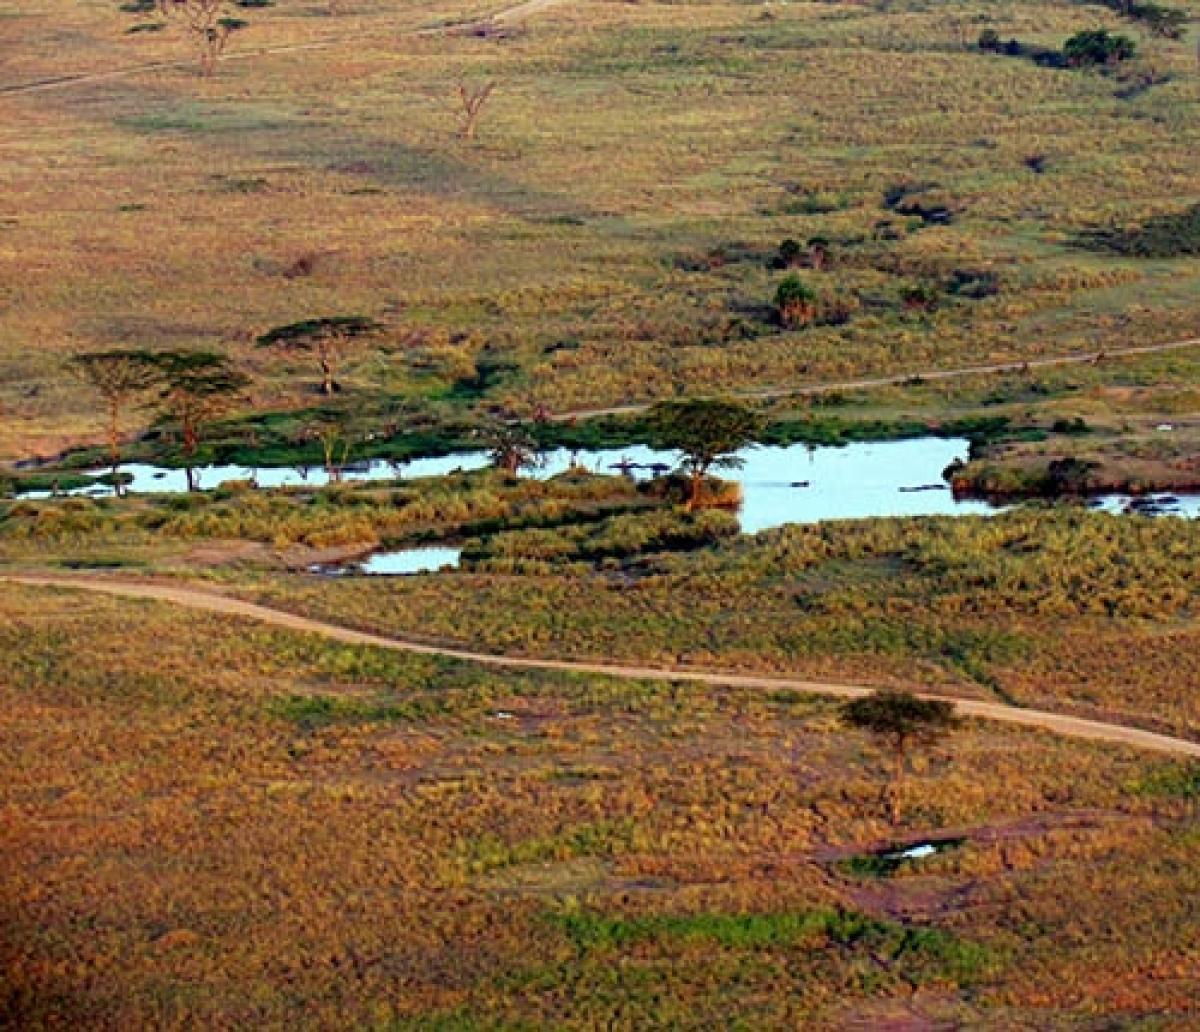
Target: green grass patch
point(1176, 780)
point(920, 953)
point(315, 711)
point(602, 838)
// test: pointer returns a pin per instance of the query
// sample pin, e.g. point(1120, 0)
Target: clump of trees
point(1167, 22)
point(1097, 47)
point(190, 388)
point(901, 720)
point(708, 433)
point(327, 339)
point(1087, 49)
point(1173, 235)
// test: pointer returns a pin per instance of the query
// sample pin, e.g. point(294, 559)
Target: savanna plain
point(612, 760)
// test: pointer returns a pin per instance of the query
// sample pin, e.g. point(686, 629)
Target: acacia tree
point(902, 720)
point(1097, 47)
point(209, 23)
point(336, 439)
point(328, 339)
point(121, 377)
point(510, 445)
point(194, 387)
point(707, 432)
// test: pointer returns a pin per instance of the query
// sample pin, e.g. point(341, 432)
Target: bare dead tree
point(472, 100)
point(209, 23)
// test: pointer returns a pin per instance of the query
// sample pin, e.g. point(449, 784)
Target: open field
point(299, 832)
point(609, 232)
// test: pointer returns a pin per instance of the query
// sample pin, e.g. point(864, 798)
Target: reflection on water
point(786, 484)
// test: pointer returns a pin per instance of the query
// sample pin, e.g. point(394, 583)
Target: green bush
point(1097, 47)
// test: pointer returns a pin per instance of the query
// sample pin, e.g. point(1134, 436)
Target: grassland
point(1079, 612)
point(299, 523)
point(290, 832)
point(206, 822)
point(608, 236)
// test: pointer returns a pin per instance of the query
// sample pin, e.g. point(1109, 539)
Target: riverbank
point(1150, 459)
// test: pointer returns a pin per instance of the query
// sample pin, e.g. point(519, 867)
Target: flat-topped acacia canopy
point(306, 333)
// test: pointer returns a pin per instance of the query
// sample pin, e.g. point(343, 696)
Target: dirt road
point(195, 598)
point(767, 393)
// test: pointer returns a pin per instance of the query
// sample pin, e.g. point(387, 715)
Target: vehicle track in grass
point(210, 601)
point(899, 379)
point(506, 17)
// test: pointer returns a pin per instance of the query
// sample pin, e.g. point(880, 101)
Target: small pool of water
point(887, 862)
point(409, 560)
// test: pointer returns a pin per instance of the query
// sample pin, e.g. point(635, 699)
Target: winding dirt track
point(194, 598)
point(1016, 366)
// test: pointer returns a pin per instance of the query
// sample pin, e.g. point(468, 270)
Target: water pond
point(792, 484)
point(785, 484)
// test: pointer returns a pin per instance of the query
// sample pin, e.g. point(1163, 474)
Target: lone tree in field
point(902, 720)
point(209, 23)
point(195, 387)
point(121, 377)
point(472, 100)
point(511, 446)
point(708, 432)
point(328, 339)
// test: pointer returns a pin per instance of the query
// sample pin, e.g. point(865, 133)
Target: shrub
point(920, 298)
point(1097, 47)
point(989, 40)
point(1175, 235)
point(796, 302)
point(798, 305)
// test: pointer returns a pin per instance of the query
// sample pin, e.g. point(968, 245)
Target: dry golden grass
point(161, 210)
point(291, 833)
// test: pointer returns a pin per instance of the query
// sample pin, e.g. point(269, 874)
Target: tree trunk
point(326, 374)
point(697, 488)
point(114, 441)
point(898, 784)
point(114, 415)
point(191, 435)
point(208, 58)
point(193, 483)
